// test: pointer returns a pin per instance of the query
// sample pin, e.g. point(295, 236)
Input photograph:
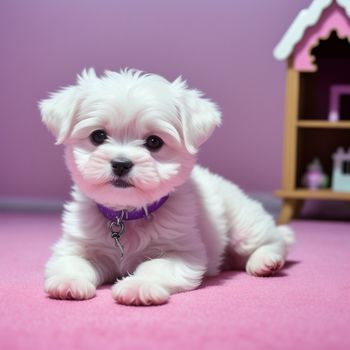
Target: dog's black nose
point(121, 166)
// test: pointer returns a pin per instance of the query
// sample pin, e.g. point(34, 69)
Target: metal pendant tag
point(117, 228)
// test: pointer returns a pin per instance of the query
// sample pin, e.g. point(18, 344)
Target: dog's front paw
point(134, 291)
point(264, 265)
point(58, 287)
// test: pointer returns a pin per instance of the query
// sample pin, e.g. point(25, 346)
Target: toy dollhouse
point(317, 111)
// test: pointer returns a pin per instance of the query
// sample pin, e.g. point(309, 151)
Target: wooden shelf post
point(289, 205)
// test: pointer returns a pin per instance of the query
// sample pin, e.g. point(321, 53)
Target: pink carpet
point(307, 306)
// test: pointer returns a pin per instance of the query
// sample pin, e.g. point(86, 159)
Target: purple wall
point(222, 47)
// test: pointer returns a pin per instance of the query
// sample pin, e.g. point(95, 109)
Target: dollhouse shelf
point(326, 194)
point(323, 124)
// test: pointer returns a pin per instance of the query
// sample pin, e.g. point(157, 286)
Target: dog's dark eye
point(98, 137)
point(154, 143)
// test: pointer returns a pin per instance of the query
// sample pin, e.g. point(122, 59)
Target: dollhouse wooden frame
point(317, 49)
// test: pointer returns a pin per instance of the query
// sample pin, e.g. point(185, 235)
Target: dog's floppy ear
point(199, 116)
point(59, 109)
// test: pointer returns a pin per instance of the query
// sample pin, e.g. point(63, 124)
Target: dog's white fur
point(207, 223)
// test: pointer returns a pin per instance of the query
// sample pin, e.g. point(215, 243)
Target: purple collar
point(134, 214)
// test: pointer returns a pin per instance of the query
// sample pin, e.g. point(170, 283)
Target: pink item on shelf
point(336, 92)
point(315, 178)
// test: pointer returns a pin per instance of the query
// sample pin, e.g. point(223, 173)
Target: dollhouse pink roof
point(309, 26)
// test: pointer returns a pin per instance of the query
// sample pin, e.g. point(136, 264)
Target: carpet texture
point(306, 306)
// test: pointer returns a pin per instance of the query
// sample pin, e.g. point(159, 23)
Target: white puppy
point(142, 213)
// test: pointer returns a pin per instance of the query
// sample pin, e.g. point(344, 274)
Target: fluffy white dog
point(143, 215)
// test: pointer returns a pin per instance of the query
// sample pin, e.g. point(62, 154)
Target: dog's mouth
point(121, 183)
